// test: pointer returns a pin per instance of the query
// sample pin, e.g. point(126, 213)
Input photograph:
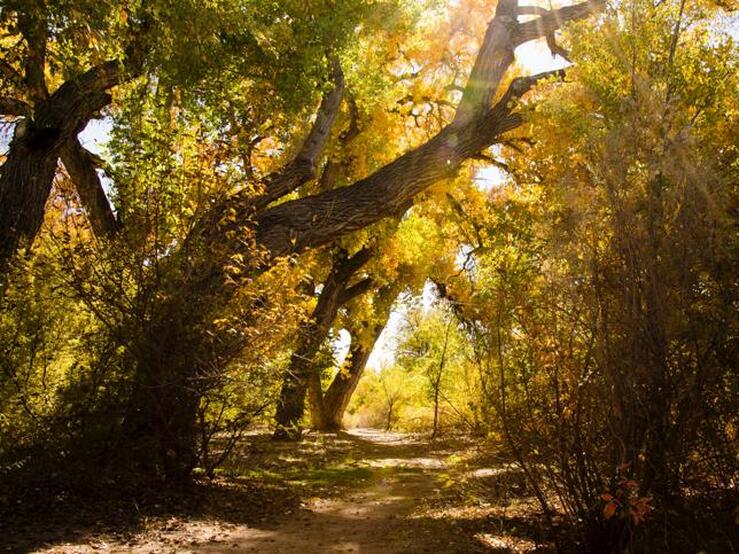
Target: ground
point(363, 491)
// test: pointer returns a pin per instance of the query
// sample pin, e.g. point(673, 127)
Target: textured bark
point(327, 409)
point(316, 220)
point(80, 166)
point(303, 166)
point(27, 174)
point(51, 122)
point(312, 336)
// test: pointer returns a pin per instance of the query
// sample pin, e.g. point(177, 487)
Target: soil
point(363, 491)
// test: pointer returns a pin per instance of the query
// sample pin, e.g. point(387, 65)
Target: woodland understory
point(225, 223)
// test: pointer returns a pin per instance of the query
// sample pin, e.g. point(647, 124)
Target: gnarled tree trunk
point(49, 127)
point(327, 409)
point(312, 335)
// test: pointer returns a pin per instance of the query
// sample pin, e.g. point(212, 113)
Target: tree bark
point(303, 362)
point(53, 121)
point(327, 409)
point(80, 166)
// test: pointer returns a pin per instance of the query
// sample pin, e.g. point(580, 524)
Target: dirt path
point(364, 491)
point(371, 520)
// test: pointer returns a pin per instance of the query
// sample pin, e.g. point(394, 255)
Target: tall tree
point(295, 225)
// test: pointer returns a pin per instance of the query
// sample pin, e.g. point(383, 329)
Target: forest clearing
point(369, 276)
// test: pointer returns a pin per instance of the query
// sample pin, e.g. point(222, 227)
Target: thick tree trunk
point(25, 184)
point(28, 172)
point(303, 362)
point(327, 409)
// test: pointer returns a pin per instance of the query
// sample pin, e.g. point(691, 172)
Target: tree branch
point(554, 19)
point(13, 106)
point(303, 167)
point(493, 59)
point(80, 166)
point(355, 290)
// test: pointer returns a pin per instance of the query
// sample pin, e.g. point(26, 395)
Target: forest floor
point(362, 491)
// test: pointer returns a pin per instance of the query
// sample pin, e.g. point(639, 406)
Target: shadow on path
point(363, 491)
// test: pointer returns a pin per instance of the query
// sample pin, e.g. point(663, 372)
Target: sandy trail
point(371, 521)
point(380, 513)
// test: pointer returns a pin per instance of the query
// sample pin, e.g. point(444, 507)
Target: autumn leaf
point(609, 510)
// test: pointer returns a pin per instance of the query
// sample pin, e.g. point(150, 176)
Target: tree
point(197, 267)
point(596, 299)
point(327, 408)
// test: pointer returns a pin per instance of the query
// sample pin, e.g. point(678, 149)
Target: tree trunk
point(328, 409)
point(28, 172)
point(25, 185)
point(303, 362)
point(329, 412)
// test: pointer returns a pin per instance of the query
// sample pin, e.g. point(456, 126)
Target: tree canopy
point(280, 179)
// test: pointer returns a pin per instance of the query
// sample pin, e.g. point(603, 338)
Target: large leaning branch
point(81, 168)
point(322, 218)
